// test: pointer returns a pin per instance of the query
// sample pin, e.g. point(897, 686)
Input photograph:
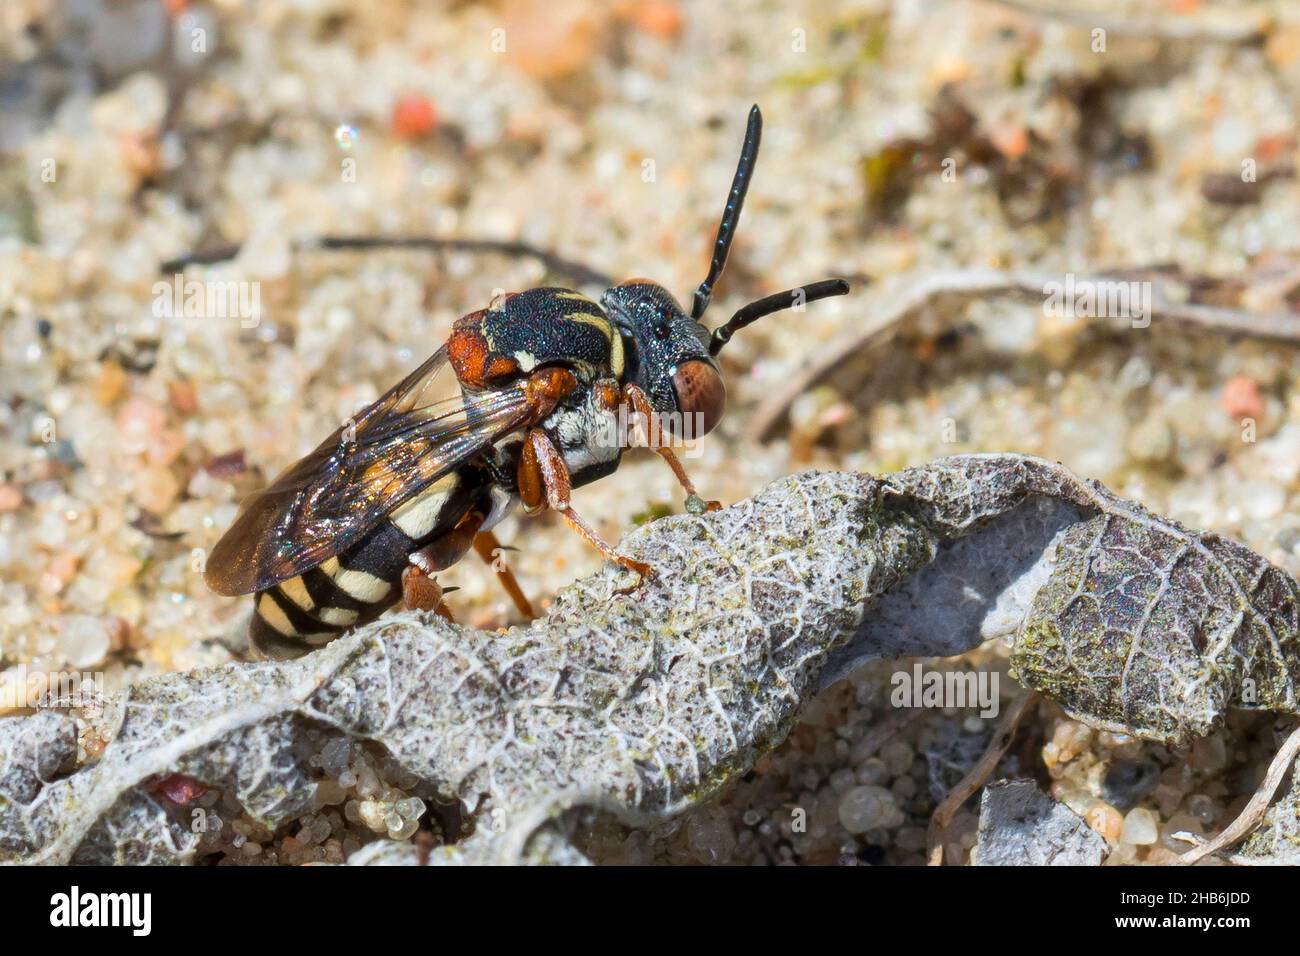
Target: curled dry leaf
point(645, 704)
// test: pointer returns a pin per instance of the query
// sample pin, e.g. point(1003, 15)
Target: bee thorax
point(586, 434)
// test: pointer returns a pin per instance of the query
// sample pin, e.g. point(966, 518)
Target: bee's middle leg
point(544, 481)
point(420, 591)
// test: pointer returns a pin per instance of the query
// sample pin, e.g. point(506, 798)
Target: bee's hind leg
point(492, 552)
point(420, 591)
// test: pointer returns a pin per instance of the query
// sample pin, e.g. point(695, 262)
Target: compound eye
point(701, 397)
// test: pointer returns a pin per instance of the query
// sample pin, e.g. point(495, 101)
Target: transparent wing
point(409, 438)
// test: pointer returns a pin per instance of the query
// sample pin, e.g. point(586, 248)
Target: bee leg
point(490, 550)
point(419, 589)
point(420, 592)
point(544, 480)
point(640, 403)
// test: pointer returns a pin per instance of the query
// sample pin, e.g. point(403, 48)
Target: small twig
point(975, 778)
point(923, 290)
point(1236, 26)
point(554, 262)
point(1236, 859)
point(1253, 813)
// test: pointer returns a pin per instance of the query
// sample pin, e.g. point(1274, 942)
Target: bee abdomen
point(356, 586)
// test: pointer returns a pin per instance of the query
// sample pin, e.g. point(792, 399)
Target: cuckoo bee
point(516, 408)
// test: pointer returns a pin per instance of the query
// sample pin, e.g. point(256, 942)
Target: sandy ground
point(902, 139)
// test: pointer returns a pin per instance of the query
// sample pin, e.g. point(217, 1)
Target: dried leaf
point(645, 704)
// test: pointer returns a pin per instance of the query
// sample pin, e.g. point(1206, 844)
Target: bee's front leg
point(544, 481)
point(640, 403)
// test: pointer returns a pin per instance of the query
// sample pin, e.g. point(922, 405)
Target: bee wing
point(328, 500)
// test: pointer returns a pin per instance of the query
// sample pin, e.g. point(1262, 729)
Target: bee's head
point(671, 356)
point(667, 354)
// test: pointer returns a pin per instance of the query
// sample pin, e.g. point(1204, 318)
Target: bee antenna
point(778, 302)
point(731, 212)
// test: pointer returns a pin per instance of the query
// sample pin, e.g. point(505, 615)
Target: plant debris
point(1021, 826)
point(644, 705)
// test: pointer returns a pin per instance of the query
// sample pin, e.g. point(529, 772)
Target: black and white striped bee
point(527, 399)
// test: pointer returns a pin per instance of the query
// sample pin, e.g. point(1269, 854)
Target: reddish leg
point(420, 592)
point(490, 550)
point(544, 481)
point(419, 589)
point(542, 391)
point(640, 403)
